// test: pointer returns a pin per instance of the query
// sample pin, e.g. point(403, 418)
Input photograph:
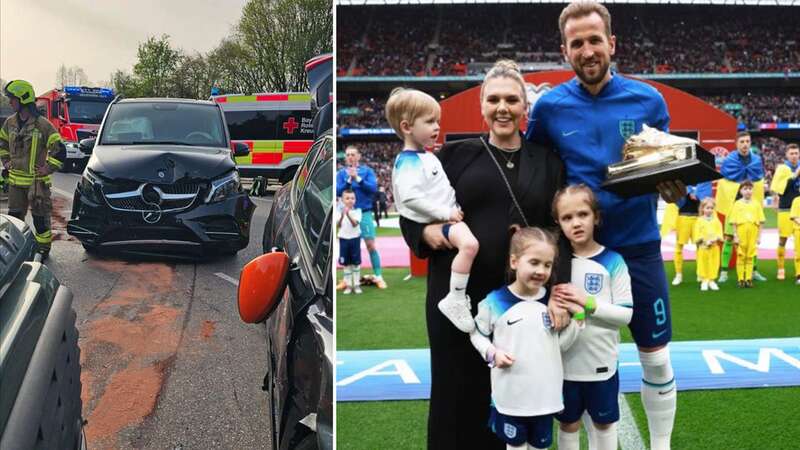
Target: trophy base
point(644, 181)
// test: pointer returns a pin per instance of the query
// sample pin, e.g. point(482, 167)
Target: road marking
point(60, 192)
point(629, 436)
point(225, 277)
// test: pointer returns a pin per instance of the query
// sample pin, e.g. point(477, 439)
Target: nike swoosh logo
point(657, 335)
point(435, 172)
point(565, 134)
point(459, 289)
point(667, 391)
point(512, 323)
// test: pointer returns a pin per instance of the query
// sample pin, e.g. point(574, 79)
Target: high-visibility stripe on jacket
point(27, 146)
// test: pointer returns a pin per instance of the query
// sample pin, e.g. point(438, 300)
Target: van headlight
point(87, 186)
point(222, 188)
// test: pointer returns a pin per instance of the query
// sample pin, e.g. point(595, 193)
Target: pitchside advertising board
point(277, 127)
point(732, 364)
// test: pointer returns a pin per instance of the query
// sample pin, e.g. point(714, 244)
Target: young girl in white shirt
point(514, 334)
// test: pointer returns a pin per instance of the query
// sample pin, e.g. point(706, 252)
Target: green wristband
point(580, 315)
point(591, 304)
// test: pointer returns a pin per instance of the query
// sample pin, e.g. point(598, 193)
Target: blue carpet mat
point(405, 374)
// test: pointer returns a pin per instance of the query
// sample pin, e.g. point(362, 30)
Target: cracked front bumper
point(202, 228)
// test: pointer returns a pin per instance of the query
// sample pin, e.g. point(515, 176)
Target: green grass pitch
point(763, 419)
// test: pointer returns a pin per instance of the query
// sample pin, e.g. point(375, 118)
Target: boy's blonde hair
point(408, 104)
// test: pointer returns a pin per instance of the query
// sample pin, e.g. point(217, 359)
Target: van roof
point(263, 97)
point(264, 101)
point(165, 100)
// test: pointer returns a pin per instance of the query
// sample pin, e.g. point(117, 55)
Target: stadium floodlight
point(649, 2)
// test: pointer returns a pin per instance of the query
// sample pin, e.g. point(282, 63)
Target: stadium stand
point(380, 157)
point(752, 110)
point(749, 109)
point(651, 39)
point(745, 61)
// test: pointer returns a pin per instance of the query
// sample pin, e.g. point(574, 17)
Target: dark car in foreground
point(162, 180)
point(40, 374)
point(291, 288)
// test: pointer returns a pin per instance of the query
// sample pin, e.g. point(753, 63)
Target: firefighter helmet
point(20, 89)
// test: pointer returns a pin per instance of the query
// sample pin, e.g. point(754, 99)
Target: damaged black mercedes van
point(162, 180)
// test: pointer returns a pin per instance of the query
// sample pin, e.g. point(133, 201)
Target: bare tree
point(71, 76)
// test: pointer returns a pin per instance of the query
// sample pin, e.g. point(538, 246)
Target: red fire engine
point(76, 112)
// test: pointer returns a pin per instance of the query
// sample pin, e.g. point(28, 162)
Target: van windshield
point(164, 123)
point(87, 111)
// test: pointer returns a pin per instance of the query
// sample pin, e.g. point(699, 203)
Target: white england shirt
point(348, 230)
point(604, 275)
point(422, 192)
point(521, 326)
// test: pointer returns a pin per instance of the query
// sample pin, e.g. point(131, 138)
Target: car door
point(307, 241)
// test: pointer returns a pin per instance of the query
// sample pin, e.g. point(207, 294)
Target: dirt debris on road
point(129, 342)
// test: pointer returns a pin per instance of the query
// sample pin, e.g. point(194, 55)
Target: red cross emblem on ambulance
point(290, 125)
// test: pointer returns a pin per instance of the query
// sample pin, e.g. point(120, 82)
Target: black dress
point(460, 386)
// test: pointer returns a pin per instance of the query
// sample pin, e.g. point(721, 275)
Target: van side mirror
point(240, 149)
point(87, 145)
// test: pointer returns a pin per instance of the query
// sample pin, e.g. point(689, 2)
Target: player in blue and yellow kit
point(586, 120)
point(794, 216)
point(785, 187)
point(738, 166)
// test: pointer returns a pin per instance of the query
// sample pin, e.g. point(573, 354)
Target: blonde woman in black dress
point(484, 172)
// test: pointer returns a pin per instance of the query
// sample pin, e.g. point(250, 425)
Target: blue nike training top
point(588, 132)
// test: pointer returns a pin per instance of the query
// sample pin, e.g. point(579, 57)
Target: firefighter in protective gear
point(30, 149)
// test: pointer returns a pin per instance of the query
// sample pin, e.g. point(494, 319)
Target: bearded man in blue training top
point(586, 120)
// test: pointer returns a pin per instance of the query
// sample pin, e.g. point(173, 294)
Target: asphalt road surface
point(166, 362)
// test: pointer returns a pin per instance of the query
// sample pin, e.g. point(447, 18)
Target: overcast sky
point(100, 36)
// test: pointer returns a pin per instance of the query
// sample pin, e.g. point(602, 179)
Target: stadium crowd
point(364, 113)
point(749, 109)
point(773, 153)
point(380, 157)
point(753, 110)
point(651, 38)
